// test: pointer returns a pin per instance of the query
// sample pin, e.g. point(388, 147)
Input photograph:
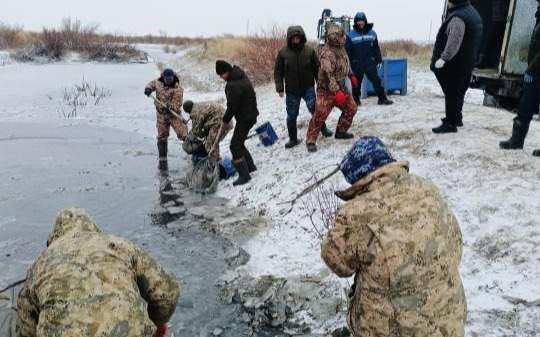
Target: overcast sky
point(393, 18)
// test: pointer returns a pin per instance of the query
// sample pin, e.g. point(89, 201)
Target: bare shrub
point(321, 206)
point(259, 55)
point(81, 95)
point(13, 36)
point(73, 35)
point(418, 52)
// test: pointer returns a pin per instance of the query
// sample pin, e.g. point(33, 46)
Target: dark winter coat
point(465, 59)
point(241, 97)
point(363, 46)
point(534, 49)
point(297, 66)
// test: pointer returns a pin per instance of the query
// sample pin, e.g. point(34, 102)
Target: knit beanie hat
point(367, 155)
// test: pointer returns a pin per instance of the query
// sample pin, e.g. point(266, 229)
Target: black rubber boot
point(250, 162)
point(385, 101)
point(162, 150)
point(519, 132)
point(536, 153)
point(243, 172)
point(445, 128)
point(326, 132)
point(293, 135)
point(311, 148)
point(344, 135)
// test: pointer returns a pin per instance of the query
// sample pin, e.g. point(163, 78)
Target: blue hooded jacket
point(363, 46)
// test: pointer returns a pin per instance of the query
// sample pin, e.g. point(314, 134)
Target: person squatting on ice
point(169, 95)
point(87, 283)
point(365, 56)
point(297, 65)
point(454, 57)
point(331, 91)
point(242, 105)
point(402, 243)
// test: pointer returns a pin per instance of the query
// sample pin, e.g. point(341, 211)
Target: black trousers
point(240, 134)
point(373, 76)
point(530, 101)
point(454, 84)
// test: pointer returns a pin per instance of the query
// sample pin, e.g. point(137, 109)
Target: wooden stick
point(174, 113)
point(13, 285)
point(216, 143)
point(309, 189)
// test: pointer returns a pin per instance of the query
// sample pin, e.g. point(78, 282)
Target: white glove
point(440, 63)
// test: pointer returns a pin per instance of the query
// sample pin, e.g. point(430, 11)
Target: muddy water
point(114, 175)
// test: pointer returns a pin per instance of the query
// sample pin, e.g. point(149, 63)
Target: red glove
point(354, 81)
point(341, 98)
point(161, 331)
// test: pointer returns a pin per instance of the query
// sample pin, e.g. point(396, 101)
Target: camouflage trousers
point(165, 121)
point(212, 137)
point(325, 103)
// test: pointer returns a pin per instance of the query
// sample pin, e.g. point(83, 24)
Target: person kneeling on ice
point(331, 90)
point(87, 283)
point(402, 243)
point(530, 98)
point(169, 96)
point(206, 124)
point(297, 65)
point(242, 105)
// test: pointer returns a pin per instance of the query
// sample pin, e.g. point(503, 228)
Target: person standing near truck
point(365, 56)
point(454, 57)
point(297, 65)
point(530, 99)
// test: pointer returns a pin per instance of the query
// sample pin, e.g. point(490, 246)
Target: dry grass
point(13, 36)
point(70, 36)
point(414, 51)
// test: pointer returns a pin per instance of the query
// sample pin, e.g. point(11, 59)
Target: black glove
point(147, 91)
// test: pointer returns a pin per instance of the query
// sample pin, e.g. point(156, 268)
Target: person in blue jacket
point(365, 56)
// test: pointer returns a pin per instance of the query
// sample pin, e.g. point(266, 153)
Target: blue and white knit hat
point(367, 155)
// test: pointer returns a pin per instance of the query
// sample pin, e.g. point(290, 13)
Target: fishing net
point(192, 144)
point(204, 178)
point(8, 315)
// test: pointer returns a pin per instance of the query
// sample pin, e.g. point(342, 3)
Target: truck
point(503, 84)
point(346, 22)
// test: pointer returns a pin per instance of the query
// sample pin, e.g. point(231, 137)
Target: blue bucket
point(267, 135)
point(226, 168)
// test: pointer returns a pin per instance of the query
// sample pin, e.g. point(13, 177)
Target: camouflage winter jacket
point(89, 284)
point(171, 96)
point(205, 117)
point(334, 61)
point(399, 237)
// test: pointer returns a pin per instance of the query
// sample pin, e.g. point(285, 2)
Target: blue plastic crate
point(393, 76)
point(267, 135)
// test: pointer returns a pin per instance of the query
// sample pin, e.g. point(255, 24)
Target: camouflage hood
point(71, 221)
point(394, 170)
point(333, 34)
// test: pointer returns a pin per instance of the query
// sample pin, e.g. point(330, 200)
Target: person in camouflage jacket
point(87, 283)
point(331, 92)
point(169, 94)
point(206, 120)
point(402, 243)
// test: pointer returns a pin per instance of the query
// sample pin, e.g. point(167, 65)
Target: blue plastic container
point(227, 168)
point(393, 76)
point(267, 134)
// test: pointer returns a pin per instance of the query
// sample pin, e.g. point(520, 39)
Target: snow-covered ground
point(493, 193)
